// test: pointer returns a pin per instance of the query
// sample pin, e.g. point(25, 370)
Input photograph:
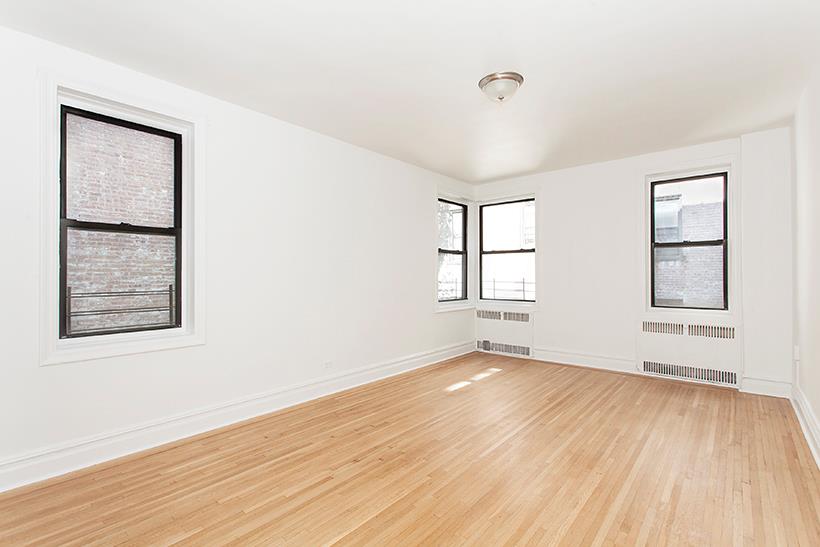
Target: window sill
point(462, 305)
point(689, 312)
point(113, 345)
point(508, 303)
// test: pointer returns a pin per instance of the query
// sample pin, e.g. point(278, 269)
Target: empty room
point(304, 272)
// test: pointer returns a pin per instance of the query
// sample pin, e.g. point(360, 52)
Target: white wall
point(592, 264)
point(807, 252)
point(316, 251)
point(767, 260)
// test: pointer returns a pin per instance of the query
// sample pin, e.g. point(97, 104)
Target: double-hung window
point(452, 251)
point(689, 249)
point(120, 225)
point(507, 257)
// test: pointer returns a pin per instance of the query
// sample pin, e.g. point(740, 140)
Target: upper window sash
point(508, 243)
point(453, 243)
point(667, 200)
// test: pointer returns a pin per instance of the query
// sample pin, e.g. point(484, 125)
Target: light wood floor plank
point(526, 453)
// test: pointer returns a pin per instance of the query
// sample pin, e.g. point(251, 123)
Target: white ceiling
point(603, 78)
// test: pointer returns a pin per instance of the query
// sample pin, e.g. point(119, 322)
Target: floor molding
point(808, 422)
point(77, 454)
point(564, 357)
point(763, 386)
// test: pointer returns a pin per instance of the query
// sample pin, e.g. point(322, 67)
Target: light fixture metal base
point(482, 83)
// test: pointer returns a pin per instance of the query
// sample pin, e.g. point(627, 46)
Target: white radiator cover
point(503, 329)
point(675, 345)
point(713, 345)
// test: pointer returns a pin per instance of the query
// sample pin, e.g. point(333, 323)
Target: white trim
point(458, 305)
point(55, 90)
point(482, 303)
point(80, 453)
point(757, 386)
point(731, 166)
point(764, 386)
point(503, 354)
point(472, 261)
point(515, 305)
point(589, 360)
point(808, 422)
point(458, 197)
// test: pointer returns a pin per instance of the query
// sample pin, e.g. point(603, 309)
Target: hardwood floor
point(481, 449)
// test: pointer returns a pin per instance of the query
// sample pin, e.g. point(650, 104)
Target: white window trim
point(472, 247)
point(461, 305)
point(726, 164)
point(55, 90)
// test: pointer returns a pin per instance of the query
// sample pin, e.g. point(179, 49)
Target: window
point(452, 251)
point(508, 251)
point(689, 245)
point(120, 225)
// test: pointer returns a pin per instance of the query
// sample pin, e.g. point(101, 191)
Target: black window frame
point(175, 293)
point(462, 252)
point(482, 252)
point(724, 242)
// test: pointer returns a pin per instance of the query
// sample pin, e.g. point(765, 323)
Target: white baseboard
point(763, 386)
point(565, 357)
point(58, 460)
point(808, 422)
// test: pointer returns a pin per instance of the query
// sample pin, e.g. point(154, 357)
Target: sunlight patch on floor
point(485, 374)
point(475, 378)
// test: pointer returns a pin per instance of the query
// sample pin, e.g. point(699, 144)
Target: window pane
point(450, 277)
point(690, 210)
point(101, 263)
point(509, 226)
point(115, 174)
point(450, 226)
point(508, 276)
point(689, 277)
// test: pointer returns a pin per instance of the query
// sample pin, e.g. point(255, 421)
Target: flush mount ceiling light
point(500, 86)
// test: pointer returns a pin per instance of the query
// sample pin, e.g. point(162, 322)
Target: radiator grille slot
point(713, 376)
point(505, 316)
point(661, 327)
point(516, 316)
point(712, 331)
point(488, 314)
point(498, 347)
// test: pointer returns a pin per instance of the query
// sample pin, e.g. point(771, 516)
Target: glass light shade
point(500, 90)
point(500, 86)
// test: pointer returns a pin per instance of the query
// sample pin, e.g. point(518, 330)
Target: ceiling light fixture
point(500, 86)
